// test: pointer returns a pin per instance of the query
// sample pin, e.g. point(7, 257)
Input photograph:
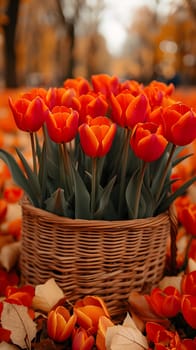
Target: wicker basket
point(108, 259)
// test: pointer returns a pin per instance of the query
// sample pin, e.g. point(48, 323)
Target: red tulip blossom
point(62, 97)
point(128, 110)
point(34, 92)
point(188, 218)
point(165, 303)
point(179, 124)
point(157, 91)
point(79, 84)
point(105, 84)
point(161, 337)
point(93, 105)
point(189, 283)
point(96, 137)
point(60, 324)
point(62, 124)
point(147, 141)
point(134, 87)
point(29, 115)
point(188, 307)
point(81, 340)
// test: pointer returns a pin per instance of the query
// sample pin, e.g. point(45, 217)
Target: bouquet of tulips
point(103, 149)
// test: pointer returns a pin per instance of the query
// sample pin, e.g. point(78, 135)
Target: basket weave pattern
point(108, 259)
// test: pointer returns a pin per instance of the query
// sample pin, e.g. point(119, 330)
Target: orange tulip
point(188, 307)
point(29, 115)
point(105, 84)
point(79, 84)
point(179, 124)
point(147, 141)
point(189, 283)
point(128, 110)
point(132, 86)
point(156, 92)
point(88, 311)
point(62, 124)
point(165, 303)
point(62, 97)
point(104, 323)
point(81, 340)
point(60, 324)
point(161, 337)
point(188, 218)
point(34, 92)
point(96, 137)
point(93, 106)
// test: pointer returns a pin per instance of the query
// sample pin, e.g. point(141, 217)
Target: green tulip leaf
point(57, 203)
point(19, 178)
point(82, 198)
point(104, 199)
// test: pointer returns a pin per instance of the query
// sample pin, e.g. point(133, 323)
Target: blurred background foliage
point(44, 42)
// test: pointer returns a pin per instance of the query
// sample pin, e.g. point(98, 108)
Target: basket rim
point(26, 205)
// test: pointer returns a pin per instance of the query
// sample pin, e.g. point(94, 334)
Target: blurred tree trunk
point(70, 28)
point(10, 55)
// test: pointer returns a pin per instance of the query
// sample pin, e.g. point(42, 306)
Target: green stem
point(33, 152)
point(165, 172)
point(93, 188)
point(139, 189)
point(124, 160)
point(67, 167)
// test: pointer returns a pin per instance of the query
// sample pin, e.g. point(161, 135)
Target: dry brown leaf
point(6, 346)
point(174, 281)
point(16, 319)
point(126, 337)
point(9, 255)
point(191, 266)
point(47, 295)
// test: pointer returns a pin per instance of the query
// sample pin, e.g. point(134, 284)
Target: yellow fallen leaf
point(16, 319)
point(126, 337)
point(47, 295)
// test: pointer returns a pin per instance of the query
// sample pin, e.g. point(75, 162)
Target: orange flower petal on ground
point(60, 324)
point(4, 335)
point(22, 296)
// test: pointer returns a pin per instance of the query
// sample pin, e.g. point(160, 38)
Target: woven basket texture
point(108, 259)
